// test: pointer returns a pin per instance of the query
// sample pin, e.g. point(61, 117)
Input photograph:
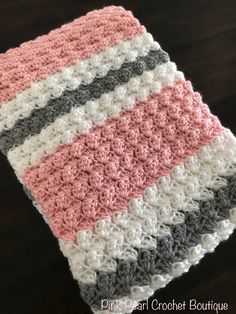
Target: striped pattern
point(96, 257)
point(134, 175)
point(158, 206)
point(80, 121)
point(82, 72)
point(56, 107)
point(118, 160)
point(36, 59)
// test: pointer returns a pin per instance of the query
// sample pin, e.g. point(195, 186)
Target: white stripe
point(81, 119)
point(98, 249)
point(138, 293)
point(83, 72)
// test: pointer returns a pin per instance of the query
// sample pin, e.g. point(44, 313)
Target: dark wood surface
point(200, 37)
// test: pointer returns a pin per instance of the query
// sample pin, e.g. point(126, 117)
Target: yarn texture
point(126, 163)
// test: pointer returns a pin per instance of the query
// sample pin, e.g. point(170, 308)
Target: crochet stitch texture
point(134, 175)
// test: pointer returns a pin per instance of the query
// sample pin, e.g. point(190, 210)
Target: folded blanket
point(134, 175)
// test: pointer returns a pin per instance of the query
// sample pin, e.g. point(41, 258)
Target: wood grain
point(200, 37)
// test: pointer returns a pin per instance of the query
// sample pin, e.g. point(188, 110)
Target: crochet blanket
point(134, 175)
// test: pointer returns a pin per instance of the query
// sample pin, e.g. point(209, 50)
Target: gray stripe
point(170, 249)
point(40, 118)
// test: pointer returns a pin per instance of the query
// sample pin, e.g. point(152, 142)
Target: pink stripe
point(100, 172)
point(35, 60)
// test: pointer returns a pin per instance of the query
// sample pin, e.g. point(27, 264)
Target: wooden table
point(200, 37)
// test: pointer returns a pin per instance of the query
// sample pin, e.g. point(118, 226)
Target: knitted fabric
point(134, 175)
